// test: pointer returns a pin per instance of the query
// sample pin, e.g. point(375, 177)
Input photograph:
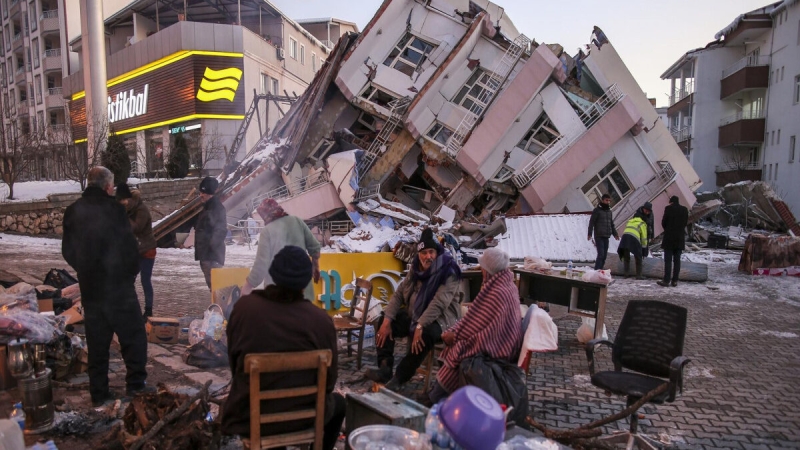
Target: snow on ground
point(39, 190)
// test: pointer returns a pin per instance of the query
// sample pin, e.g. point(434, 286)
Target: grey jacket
point(602, 223)
point(443, 309)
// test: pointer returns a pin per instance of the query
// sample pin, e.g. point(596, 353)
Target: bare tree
point(206, 148)
point(76, 161)
point(19, 148)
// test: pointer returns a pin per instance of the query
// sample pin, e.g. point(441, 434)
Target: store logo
point(219, 84)
point(127, 105)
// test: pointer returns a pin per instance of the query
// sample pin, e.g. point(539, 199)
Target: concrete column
point(93, 57)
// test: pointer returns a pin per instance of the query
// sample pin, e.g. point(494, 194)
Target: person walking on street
point(99, 244)
point(634, 241)
point(142, 225)
point(601, 224)
point(423, 305)
point(281, 229)
point(210, 230)
point(676, 216)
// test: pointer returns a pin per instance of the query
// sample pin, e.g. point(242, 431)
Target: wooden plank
point(299, 437)
point(284, 393)
point(654, 268)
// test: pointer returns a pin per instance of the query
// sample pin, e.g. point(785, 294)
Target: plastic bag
point(35, 327)
point(541, 333)
point(226, 297)
point(206, 354)
point(503, 380)
point(585, 332)
point(212, 326)
point(59, 278)
point(597, 276)
point(529, 443)
point(536, 263)
point(20, 296)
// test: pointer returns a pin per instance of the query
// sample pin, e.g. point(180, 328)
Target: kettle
point(19, 359)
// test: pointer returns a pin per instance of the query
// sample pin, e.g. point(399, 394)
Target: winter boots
point(626, 262)
point(639, 264)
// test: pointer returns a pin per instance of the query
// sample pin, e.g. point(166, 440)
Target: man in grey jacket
point(423, 305)
point(602, 225)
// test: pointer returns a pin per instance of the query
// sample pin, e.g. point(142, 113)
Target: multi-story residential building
point(456, 108)
point(31, 69)
point(328, 29)
point(735, 103)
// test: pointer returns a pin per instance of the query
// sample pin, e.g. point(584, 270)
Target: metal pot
point(20, 363)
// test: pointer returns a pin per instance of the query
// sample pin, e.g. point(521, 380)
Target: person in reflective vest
point(633, 242)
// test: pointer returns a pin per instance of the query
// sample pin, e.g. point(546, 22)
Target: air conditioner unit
point(281, 53)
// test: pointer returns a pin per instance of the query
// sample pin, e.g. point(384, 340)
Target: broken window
point(439, 133)
point(476, 91)
point(609, 181)
point(540, 135)
point(377, 96)
point(503, 174)
point(408, 54)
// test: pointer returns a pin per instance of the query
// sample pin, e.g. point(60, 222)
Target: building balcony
point(751, 72)
point(23, 108)
point(48, 22)
point(683, 137)
point(54, 99)
point(17, 43)
point(681, 93)
point(743, 128)
point(734, 173)
point(51, 60)
point(14, 8)
point(19, 76)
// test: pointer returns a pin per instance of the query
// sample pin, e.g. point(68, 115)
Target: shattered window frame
point(542, 127)
point(439, 133)
point(474, 91)
point(409, 53)
point(503, 174)
point(378, 95)
point(608, 180)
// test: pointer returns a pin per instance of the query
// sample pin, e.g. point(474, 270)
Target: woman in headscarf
point(492, 325)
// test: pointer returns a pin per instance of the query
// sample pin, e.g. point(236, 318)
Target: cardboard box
point(46, 305)
point(162, 330)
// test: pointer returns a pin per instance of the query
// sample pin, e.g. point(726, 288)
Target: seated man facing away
point(422, 306)
point(273, 320)
point(490, 327)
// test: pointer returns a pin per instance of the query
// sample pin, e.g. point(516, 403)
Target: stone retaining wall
point(44, 217)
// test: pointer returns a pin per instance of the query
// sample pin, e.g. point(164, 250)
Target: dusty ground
point(742, 387)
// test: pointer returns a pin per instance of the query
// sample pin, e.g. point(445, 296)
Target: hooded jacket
point(601, 224)
point(141, 222)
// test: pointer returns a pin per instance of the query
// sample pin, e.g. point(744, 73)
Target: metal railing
point(747, 61)
point(328, 43)
point(625, 209)
point(20, 70)
point(53, 13)
point(734, 167)
point(52, 52)
point(336, 227)
point(16, 37)
point(742, 115)
point(681, 93)
point(682, 135)
point(290, 190)
point(367, 192)
point(560, 145)
point(54, 91)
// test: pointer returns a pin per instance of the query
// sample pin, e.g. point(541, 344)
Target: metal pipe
point(94, 75)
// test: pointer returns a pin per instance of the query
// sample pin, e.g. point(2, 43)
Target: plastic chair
point(649, 344)
point(257, 363)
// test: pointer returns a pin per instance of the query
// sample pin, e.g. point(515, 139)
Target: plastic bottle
point(18, 415)
point(569, 269)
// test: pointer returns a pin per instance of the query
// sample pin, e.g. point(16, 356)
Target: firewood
point(202, 394)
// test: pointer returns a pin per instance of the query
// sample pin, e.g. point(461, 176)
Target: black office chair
point(649, 344)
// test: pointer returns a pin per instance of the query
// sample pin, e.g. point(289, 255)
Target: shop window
point(439, 133)
point(611, 180)
point(539, 136)
point(377, 96)
point(408, 54)
point(292, 48)
point(475, 93)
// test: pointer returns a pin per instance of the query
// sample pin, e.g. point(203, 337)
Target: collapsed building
point(442, 109)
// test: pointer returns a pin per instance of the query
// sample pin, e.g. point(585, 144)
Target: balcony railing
point(742, 115)
point(625, 209)
point(681, 93)
point(734, 167)
point(328, 43)
point(552, 152)
point(16, 37)
point(290, 190)
point(54, 91)
point(53, 13)
point(682, 135)
point(20, 70)
point(52, 53)
point(747, 61)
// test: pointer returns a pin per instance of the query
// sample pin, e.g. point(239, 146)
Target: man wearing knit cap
point(676, 216)
point(210, 230)
point(279, 319)
point(422, 307)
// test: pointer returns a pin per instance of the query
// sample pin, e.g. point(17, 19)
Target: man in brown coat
point(142, 225)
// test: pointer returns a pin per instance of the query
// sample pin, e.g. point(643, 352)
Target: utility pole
point(93, 59)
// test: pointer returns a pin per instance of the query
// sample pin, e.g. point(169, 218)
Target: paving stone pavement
point(742, 387)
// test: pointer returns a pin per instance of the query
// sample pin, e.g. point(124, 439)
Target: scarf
point(269, 210)
point(437, 274)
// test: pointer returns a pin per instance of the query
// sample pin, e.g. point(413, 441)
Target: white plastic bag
point(212, 326)
point(597, 276)
point(585, 332)
point(541, 334)
point(536, 263)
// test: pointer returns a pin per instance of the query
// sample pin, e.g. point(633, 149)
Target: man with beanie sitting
point(210, 230)
point(273, 320)
point(676, 216)
point(422, 307)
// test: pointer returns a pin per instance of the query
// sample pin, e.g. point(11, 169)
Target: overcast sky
point(649, 34)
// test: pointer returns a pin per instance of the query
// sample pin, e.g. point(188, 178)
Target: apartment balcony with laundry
point(750, 72)
point(681, 97)
point(742, 128)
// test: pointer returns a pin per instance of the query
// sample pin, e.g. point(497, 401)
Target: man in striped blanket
point(492, 325)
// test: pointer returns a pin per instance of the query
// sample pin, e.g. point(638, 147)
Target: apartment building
point(31, 69)
point(328, 29)
point(735, 103)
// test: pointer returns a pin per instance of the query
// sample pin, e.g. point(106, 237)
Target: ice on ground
point(780, 334)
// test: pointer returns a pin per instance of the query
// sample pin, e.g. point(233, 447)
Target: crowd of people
point(108, 240)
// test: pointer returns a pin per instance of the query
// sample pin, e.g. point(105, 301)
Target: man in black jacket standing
point(210, 230)
point(99, 244)
point(601, 224)
point(676, 216)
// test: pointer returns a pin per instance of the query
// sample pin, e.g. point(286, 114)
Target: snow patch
point(699, 372)
point(780, 334)
point(582, 381)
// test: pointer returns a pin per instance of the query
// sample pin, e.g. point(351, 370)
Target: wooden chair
point(426, 369)
point(257, 363)
point(351, 324)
